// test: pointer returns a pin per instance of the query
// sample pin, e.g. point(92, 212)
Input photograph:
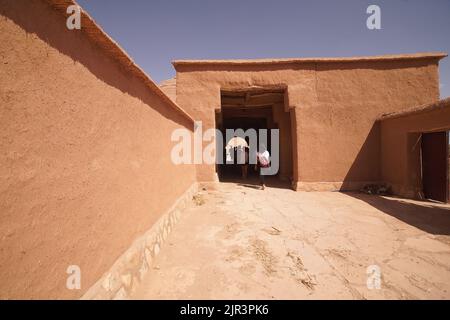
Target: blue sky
point(155, 32)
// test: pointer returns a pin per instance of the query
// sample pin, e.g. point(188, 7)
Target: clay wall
point(335, 104)
point(400, 146)
point(85, 147)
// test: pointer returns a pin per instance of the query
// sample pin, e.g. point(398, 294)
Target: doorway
point(256, 108)
point(435, 165)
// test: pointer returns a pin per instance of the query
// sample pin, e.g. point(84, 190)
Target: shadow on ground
point(254, 182)
point(427, 216)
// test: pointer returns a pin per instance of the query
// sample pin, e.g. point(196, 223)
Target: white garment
point(265, 155)
point(229, 159)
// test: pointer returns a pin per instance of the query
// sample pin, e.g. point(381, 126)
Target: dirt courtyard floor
point(237, 242)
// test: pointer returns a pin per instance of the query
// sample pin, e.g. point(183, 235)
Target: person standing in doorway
point(263, 161)
point(244, 162)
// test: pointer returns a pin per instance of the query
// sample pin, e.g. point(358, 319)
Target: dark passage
point(242, 119)
point(256, 108)
point(435, 165)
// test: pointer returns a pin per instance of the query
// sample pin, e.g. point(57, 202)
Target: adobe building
point(86, 176)
point(414, 155)
point(325, 108)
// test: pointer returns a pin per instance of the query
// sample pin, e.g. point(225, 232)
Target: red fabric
point(263, 162)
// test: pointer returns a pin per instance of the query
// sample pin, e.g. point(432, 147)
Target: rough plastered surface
point(169, 87)
point(400, 145)
point(85, 164)
point(387, 57)
point(92, 31)
point(334, 102)
point(282, 244)
point(122, 279)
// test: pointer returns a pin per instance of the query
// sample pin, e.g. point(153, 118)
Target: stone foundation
point(331, 186)
point(130, 268)
point(406, 191)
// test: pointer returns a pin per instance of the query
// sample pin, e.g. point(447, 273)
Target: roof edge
point(100, 38)
point(439, 104)
point(394, 57)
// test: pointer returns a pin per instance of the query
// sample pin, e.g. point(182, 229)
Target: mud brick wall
point(401, 145)
point(334, 104)
point(85, 164)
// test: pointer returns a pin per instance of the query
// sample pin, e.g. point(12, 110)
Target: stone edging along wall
point(331, 186)
point(130, 268)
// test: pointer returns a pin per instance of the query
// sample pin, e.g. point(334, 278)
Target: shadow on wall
point(37, 17)
point(366, 166)
point(426, 216)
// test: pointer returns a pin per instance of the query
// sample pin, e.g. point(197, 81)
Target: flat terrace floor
point(237, 242)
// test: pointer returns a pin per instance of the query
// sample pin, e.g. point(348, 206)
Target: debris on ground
point(273, 231)
point(300, 273)
point(198, 200)
point(378, 189)
point(262, 253)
